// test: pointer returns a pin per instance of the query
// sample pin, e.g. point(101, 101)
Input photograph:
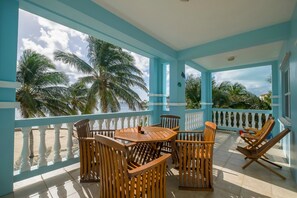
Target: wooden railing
point(235, 119)
point(194, 119)
point(58, 133)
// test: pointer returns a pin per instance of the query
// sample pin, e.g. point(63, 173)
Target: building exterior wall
point(290, 142)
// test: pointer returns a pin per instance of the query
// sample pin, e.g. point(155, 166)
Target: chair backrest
point(169, 121)
point(267, 126)
point(83, 128)
point(114, 181)
point(195, 161)
point(264, 148)
point(210, 131)
point(264, 134)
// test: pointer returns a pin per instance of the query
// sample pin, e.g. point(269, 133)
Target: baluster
point(260, 120)
point(214, 116)
point(70, 154)
point(57, 144)
point(42, 147)
point(247, 119)
point(100, 123)
point(240, 120)
point(138, 120)
point(92, 122)
point(122, 122)
point(224, 118)
point(253, 120)
point(25, 164)
point(148, 120)
point(116, 123)
point(133, 121)
point(229, 119)
point(128, 122)
point(107, 121)
point(219, 118)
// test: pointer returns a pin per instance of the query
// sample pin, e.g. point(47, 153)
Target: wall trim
point(157, 95)
point(9, 105)
point(9, 84)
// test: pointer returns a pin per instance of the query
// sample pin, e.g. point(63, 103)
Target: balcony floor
point(229, 179)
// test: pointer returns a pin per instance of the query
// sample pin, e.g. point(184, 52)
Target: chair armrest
point(249, 136)
point(149, 166)
point(175, 128)
point(250, 129)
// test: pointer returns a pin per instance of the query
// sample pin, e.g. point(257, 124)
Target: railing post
point(69, 141)
point(116, 123)
point(25, 164)
point(92, 122)
point(224, 118)
point(229, 119)
point(42, 147)
point(57, 144)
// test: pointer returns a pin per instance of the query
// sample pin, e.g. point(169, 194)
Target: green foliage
point(225, 95)
point(193, 92)
point(42, 88)
point(110, 76)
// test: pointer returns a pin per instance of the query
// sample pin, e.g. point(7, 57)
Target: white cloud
point(191, 71)
point(254, 79)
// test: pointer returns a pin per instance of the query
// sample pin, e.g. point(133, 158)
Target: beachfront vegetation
point(111, 76)
point(224, 95)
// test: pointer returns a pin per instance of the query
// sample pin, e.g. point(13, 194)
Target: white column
point(42, 147)
point(224, 118)
point(25, 164)
point(247, 119)
point(57, 144)
point(240, 119)
point(253, 120)
point(70, 154)
point(116, 123)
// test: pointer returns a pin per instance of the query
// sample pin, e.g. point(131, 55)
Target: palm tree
point(77, 98)
point(110, 74)
point(41, 88)
point(193, 92)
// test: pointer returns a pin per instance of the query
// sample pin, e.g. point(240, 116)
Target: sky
point(45, 37)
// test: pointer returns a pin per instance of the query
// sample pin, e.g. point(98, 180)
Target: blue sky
point(45, 37)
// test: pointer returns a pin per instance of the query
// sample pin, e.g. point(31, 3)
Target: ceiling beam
point(253, 38)
point(266, 63)
point(90, 18)
point(196, 66)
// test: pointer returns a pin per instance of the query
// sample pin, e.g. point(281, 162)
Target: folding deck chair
point(254, 141)
point(255, 154)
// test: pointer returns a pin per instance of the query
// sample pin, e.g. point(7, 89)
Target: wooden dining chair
point(171, 122)
point(256, 153)
point(117, 180)
point(89, 161)
point(142, 152)
point(195, 158)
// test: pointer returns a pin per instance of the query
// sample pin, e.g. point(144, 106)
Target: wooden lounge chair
point(89, 170)
point(257, 132)
point(195, 158)
point(255, 140)
point(116, 180)
point(255, 154)
point(171, 122)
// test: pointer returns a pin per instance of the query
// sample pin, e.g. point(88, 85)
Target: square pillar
point(206, 95)
point(8, 56)
point(275, 96)
point(177, 102)
point(157, 89)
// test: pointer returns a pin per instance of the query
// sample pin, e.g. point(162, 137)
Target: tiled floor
point(229, 178)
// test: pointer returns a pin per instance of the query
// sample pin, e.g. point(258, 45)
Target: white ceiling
point(182, 25)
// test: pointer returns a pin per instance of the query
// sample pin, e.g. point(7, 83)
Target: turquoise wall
point(8, 51)
point(290, 142)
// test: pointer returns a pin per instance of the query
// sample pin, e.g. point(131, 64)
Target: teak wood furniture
point(116, 180)
point(256, 153)
point(89, 161)
point(195, 158)
point(148, 145)
point(171, 122)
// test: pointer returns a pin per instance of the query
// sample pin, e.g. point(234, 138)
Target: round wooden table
point(151, 140)
point(151, 134)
